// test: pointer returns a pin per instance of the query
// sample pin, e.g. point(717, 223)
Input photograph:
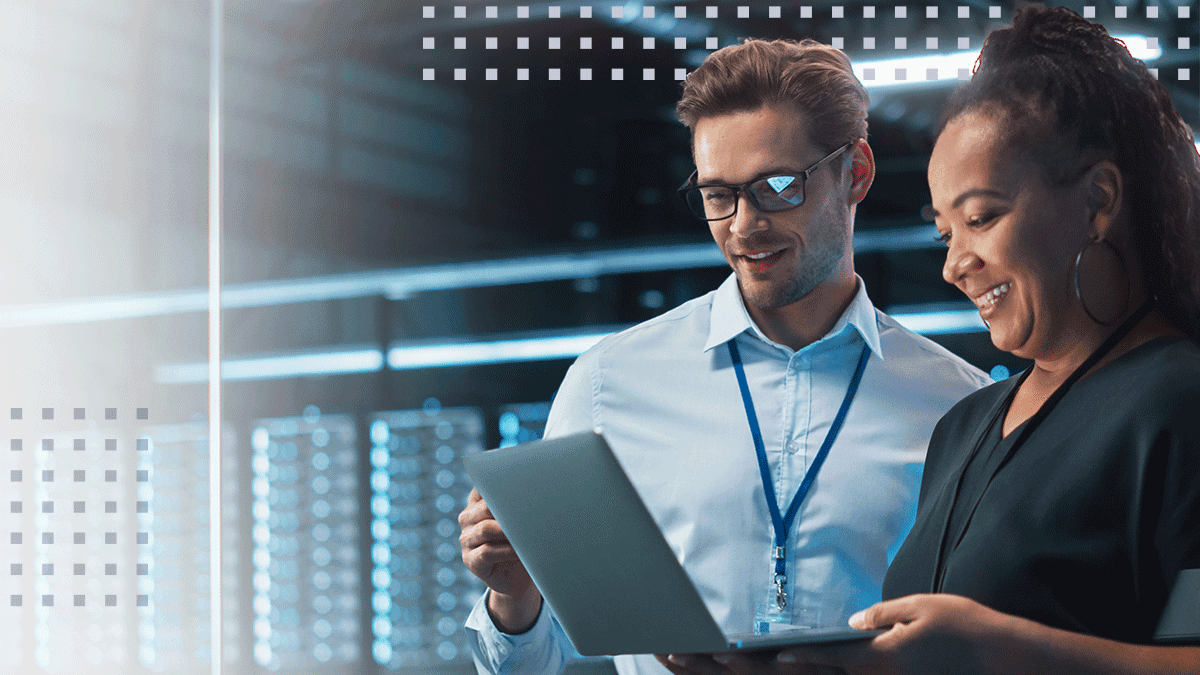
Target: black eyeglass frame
point(690, 186)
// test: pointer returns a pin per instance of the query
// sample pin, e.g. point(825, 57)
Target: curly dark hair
point(1071, 96)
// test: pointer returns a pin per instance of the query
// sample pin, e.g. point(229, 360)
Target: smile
point(992, 296)
point(762, 255)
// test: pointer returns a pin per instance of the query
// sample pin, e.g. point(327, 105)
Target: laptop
point(598, 557)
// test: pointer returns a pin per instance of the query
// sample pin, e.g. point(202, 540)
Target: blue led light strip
point(381, 530)
point(402, 282)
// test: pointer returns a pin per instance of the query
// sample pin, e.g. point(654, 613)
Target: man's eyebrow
point(973, 192)
point(773, 171)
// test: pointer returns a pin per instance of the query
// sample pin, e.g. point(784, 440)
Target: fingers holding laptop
point(514, 602)
point(746, 663)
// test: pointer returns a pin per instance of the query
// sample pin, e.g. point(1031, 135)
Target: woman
point(1058, 507)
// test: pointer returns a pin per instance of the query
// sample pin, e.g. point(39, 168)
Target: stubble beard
point(814, 265)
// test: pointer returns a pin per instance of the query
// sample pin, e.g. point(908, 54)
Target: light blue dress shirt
point(665, 396)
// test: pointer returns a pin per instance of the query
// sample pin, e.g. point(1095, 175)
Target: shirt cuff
point(493, 646)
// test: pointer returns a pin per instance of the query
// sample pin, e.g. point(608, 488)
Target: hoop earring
point(1124, 268)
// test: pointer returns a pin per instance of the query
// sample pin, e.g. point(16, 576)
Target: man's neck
point(808, 319)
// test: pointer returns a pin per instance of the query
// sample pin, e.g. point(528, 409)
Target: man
point(759, 368)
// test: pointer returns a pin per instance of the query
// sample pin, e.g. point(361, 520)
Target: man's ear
point(862, 170)
point(1105, 197)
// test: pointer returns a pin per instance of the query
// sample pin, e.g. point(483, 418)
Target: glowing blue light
point(999, 372)
point(262, 653)
point(260, 439)
point(379, 457)
point(381, 602)
point(381, 554)
point(380, 529)
point(380, 432)
point(380, 578)
point(496, 351)
point(942, 322)
point(509, 424)
point(382, 651)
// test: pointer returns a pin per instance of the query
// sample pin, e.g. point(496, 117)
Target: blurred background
point(429, 210)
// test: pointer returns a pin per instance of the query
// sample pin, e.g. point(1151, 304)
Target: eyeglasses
point(770, 194)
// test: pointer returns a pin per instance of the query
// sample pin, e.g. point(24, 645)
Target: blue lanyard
point(781, 522)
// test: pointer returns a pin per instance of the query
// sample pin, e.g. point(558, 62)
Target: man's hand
point(514, 602)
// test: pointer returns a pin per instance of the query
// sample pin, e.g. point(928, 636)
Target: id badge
point(768, 617)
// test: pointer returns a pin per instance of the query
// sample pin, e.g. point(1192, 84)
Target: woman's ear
point(862, 170)
point(1105, 197)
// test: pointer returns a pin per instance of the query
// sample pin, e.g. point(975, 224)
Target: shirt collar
point(730, 318)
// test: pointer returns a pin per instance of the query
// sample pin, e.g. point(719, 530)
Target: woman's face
point(1012, 237)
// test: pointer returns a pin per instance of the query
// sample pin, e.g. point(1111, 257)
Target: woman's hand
point(927, 635)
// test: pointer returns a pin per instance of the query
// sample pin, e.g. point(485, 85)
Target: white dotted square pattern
point(806, 12)
point(522, 43)
point(618, 12)
point(868, 12)
point(491, 43)
point(710, 12)
point(838, 43)
point(647, 43)
point(773, 12)
point(1121, 12)
point(555, 74)
point(460, 43)
point(555, 43)
point(931, 12)
point(427, 12)
point(555, 12)
point(681, 12)
point(427, 73)
point(1089, 11)
point(931, 43)
point(647, 73)
point(491, 12)
point(648, 12)
point(427, 43)
point(585, 12)
point(1185, 12)
point(523, 12)
point(1185, 43)
point(460, 12)
point(618, 43)
point(901, 43)
point(680, 74)
point(585, 43)
point(868, 43)
point(680, 43)
point(993, 12)
point(1185, 74)
point(743, 12)
point(522, 73)
point(964, 43)
point(585, 73)
point(838, 12)
point(711, 43)
point(460, 73)
point(1151, 11)
point(901, 12)
point(618, 74)
point(491, 74)
point(964, 12)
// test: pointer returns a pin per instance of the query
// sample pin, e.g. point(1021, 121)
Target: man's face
point(778, 257)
